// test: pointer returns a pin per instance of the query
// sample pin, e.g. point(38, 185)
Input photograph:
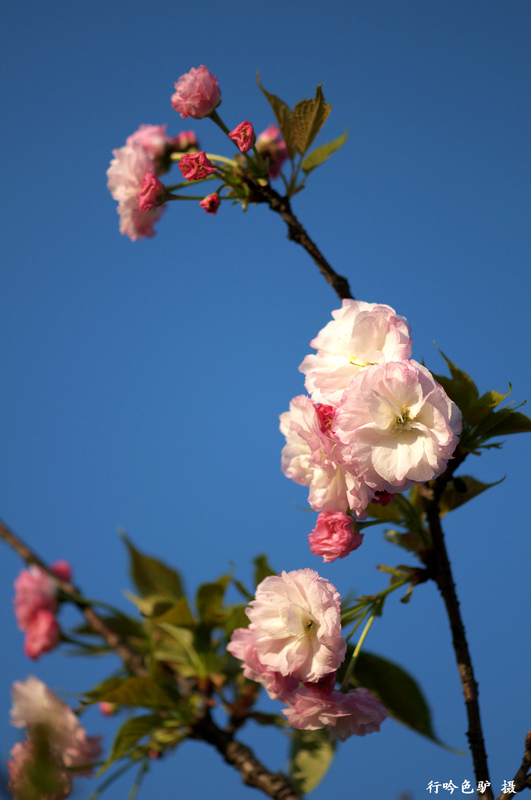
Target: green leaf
point(181, 651)
point(460, 491)
point(307, 119)
point(178, 614)
point(397, 690)
point(142, 692)
point(460, 387)
point(283, 115)
point(151, 576)
point(209, 601)
point(310, 758)
point(389, 513)
point(236, 618)
point(485, 404)
point(262, 569)
point(130, 733)
point(503, 423)
point(322, 153)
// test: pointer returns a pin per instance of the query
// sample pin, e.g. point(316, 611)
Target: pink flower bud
point(334, 536)
point(151, 193)
point(107, 709)
point(42, 635)
point(271, 144)
point(63, 570)
point(184, 142)
point(196, 166)
point(244, 136)
point(210, 203)
point(197, 94)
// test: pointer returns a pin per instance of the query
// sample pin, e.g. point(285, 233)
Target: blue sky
point(142, 382)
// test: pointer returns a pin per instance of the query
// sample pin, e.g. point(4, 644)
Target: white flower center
point(299, 623)
point(357, 362)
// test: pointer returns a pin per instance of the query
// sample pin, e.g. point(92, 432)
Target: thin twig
point(522, 779)
point(296, 232)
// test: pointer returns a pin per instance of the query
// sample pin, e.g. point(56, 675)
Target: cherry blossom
point(361, 334)
point(277, 686)
point(151, 193)
point(296, 625)
point(127, 170)
point(313, 456)
point(35, 706)
point(399, 423)
point(356, 712)
point(197, 94)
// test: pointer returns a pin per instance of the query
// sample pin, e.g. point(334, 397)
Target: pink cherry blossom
point(196, 166)
point(210, 203)
point(361, 334)
point(197, 94)
point(399, 424)
point(242, 646)
point(296, 625)
point(272, 146)
point(125, 175)
point(36, 707)
point(151, 193)
point(357, 712)
point(154, 140)
point(243, 135)
point(34, 591)
point(42, 634)
point(313, 456)
point(334, 536)
point(63, 570)
point(20, 766)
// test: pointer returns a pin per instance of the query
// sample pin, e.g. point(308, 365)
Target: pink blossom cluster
point(45, 716)
point(36, 606)
point(295, 638)
point(375, 423)
point(197, 93)
point(133, 177)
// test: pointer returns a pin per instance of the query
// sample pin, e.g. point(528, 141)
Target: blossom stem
point(110, 780)
point(350, 669)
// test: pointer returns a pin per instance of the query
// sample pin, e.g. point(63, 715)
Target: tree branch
point(253, 772)
point(522, 780)
point(440, 570)
point(296, 232)
point(130, 657)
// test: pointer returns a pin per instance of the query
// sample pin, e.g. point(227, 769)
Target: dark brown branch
point(438, 564)
point(253, 772)
point(522, 779)
point(296, 232)
point(130, 658)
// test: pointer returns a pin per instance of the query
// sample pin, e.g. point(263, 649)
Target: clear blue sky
point(142, 382)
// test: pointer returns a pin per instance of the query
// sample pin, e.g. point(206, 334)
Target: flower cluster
point(49, 722)
point(36, 606)
point(375, 423)
point(295, 638)
point(133, 176)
